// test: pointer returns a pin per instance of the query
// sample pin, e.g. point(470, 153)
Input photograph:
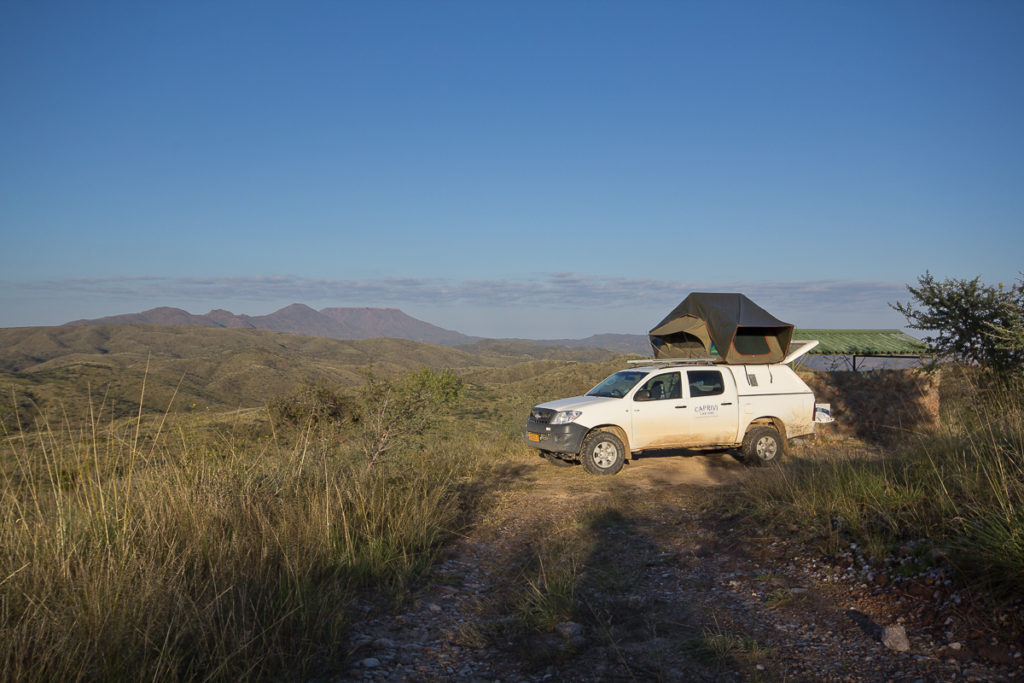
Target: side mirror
point(642, 395)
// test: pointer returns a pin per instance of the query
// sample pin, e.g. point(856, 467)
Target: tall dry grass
point(959, 488)
point(153, 550)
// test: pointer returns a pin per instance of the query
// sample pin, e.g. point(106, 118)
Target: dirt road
point(563, 575)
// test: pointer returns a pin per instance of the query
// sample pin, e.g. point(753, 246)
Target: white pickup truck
point(692, 404)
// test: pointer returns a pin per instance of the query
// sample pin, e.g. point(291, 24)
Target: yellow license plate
point(534, 437)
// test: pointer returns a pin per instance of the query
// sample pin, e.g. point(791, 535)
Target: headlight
point(565, 417)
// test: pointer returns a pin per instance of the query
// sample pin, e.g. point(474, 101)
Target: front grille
point(542, 415)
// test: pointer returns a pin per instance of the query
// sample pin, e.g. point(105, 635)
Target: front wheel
point(602, 453)
point(762, 446)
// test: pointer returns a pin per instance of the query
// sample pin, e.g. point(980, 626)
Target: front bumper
point(566, 438)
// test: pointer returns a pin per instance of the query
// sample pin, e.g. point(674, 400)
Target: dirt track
point(658, 587)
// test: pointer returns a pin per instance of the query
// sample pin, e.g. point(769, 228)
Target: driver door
point(658, 412)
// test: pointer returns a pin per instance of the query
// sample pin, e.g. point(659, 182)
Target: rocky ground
point(567, 576)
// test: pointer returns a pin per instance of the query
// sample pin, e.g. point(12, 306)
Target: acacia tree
point(1011, 335)
point(973, 322)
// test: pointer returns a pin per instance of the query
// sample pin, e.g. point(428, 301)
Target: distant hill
point(620, 343)
point(354, 323)
point(336, 323)
point(391, 322)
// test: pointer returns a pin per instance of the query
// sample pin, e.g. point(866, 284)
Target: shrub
point(395, 413)
point(316, 404)
point(972, 321)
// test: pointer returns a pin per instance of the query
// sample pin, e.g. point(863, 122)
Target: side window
point(705, 383)
point(661, 387)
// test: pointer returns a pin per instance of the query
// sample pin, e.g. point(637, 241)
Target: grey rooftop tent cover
point(729, 327)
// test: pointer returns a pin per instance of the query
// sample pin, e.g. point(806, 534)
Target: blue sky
point(529, 169)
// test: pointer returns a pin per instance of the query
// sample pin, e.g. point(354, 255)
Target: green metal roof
point(863, 343)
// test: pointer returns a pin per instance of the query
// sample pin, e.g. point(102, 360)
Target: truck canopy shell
point(727, 326)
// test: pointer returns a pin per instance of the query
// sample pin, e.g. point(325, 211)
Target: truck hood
point(576, 402)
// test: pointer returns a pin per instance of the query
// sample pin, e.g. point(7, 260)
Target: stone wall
point(877, 405)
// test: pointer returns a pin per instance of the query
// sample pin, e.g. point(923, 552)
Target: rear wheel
point(762, 446)
point(602, 453)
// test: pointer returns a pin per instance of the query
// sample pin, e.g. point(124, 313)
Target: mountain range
point(350, 323)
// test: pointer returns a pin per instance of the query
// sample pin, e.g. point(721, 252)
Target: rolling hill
point(213, 368)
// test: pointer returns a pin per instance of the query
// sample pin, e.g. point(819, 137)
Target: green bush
point(396, 414)
point(316, 404)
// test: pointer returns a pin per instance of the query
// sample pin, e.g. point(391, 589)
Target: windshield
point(618, 385)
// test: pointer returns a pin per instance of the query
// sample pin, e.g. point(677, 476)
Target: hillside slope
point(212, 368)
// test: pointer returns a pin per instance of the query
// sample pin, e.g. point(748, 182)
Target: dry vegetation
point(959, 487)
point(206, 541)
point(191, 541)
point(163, 549)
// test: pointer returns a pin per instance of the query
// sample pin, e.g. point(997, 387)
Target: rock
point(384, 643)
point(957, 652)
point(976, 674)
point(572, 633)
point(370, 663)
point(569, 629)
point(894, 637)
point(919, 590)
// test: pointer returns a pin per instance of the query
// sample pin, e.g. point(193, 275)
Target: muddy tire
point(762, 446)
point(602, 453)
point(555, 460)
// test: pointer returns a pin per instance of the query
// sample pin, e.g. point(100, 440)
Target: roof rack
point(675, 361)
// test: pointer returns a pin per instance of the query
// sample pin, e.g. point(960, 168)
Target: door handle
point(729, 403)
point(678, 407)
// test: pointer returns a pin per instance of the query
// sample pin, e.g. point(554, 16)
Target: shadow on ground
point(596, 591)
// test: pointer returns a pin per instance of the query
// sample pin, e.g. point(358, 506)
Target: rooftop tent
point(726, 326)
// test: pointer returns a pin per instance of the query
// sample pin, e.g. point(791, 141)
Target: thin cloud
point(548, 290)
